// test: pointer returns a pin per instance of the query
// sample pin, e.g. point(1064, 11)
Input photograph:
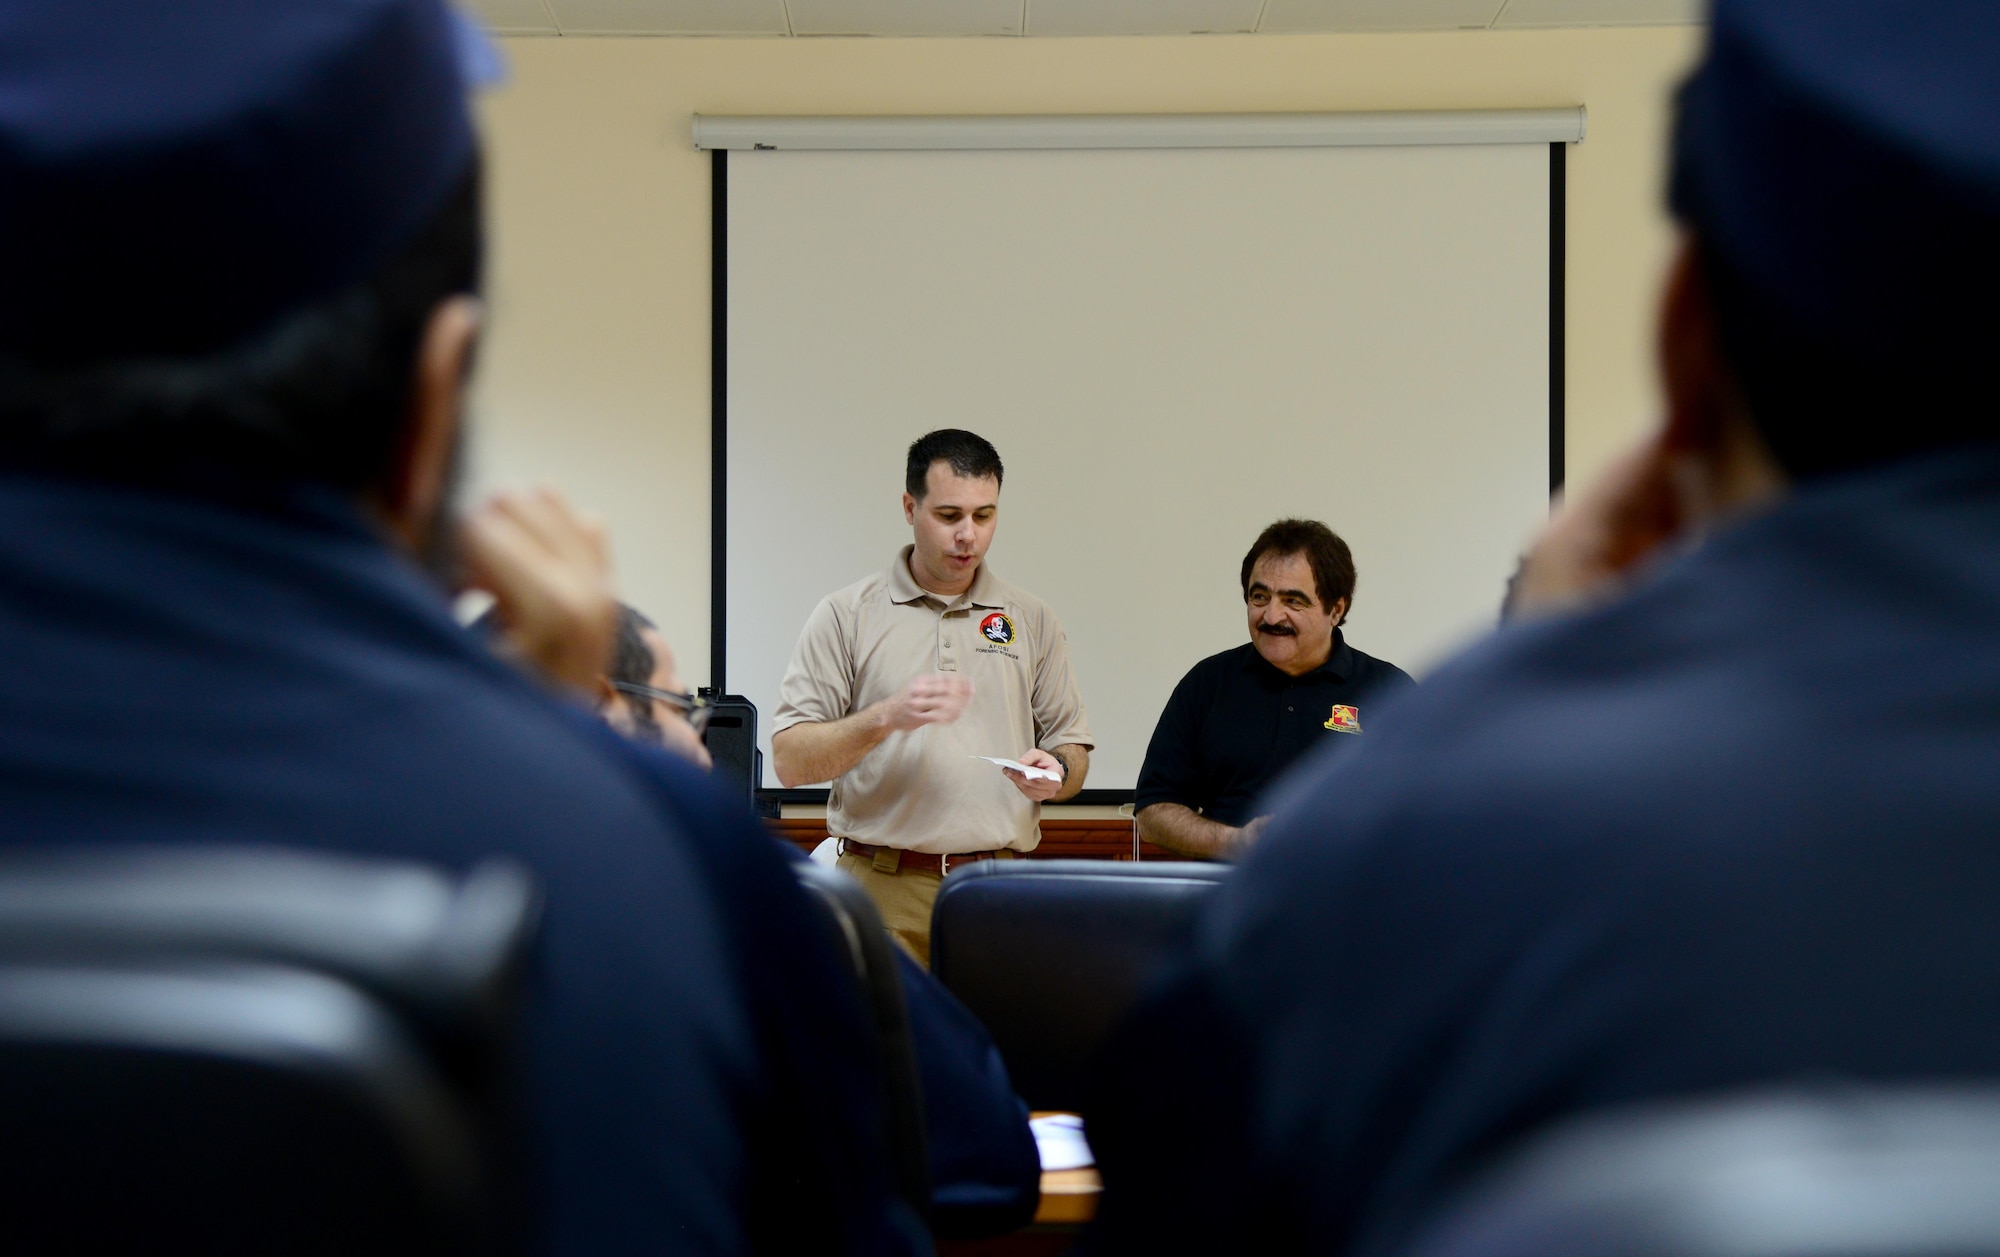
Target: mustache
point(1278, 630)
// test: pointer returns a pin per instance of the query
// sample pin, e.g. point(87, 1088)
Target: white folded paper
point(1026, 770)
point(1059, 1138)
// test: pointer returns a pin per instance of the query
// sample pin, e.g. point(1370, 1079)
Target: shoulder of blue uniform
point(338, 599)
point(1404, 797)
point(812, 1023)
point(729, 838)
point(748, 867)
point(1588, 707)
point(1516, 718)
point(1439, 732)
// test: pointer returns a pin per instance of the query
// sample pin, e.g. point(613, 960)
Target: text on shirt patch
point(1344, 719)
point(998, 630)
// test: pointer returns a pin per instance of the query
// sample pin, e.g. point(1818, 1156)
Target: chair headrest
point(444, 946)
point(1157, 870)
point(1792, 1173)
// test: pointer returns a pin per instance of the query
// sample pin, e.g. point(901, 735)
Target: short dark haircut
point(322, 395)
point(1326, 554)
point(1824, 406)
point(632, 660)
point(632, 663)
point(969, 454)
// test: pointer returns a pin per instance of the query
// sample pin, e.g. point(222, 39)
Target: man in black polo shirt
point(1239, 719)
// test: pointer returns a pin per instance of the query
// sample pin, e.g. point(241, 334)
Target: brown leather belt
point(895, 859)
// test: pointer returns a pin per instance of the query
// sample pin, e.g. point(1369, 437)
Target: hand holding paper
point(1037, 774)
point(1026, 770)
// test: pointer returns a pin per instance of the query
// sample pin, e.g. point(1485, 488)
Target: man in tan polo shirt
point(900, 680)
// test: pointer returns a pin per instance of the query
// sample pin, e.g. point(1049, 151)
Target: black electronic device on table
point(732, 744)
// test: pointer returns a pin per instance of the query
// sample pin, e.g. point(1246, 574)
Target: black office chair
point(257, 1051)
point(857, 927)
point(1832, 1173)
point(1050, 954)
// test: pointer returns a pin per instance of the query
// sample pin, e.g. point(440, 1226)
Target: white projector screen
point(1171, 348)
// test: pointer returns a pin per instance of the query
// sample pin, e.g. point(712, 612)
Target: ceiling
point(1061, 17)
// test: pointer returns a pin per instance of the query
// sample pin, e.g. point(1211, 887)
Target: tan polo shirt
point(921, 790)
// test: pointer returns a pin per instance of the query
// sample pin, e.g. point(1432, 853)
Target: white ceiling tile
point(1602, 12)
point(513, 17)
point(1142, 17)
point(669, 17)
point(906, 17)
point(1289, 16)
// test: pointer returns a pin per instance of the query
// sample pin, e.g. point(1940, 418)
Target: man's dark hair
point(1823, 406)
point(1326, 554)
point(632, 660)
point(322, 395)
point(969, 454)
point(632, 663)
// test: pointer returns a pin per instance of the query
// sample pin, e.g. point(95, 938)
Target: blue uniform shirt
point(985, 1169)
point(183, 670)
point(1235, 723)
point(1741, 825)
point(986, 1172)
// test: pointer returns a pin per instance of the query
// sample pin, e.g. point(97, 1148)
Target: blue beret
point(1843, 158)
point(176, 174)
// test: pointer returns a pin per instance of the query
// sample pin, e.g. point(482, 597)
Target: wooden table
point(1069, 1197)
point(1063, 838)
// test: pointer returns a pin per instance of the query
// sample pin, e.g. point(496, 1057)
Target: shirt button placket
point(947, 661)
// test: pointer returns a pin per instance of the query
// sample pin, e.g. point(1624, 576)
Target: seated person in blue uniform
point(239, 266)
point(1239, 719)
point(1718, 810)
point(985, 1170)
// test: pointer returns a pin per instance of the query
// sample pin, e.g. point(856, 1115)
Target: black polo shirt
point(1235, 723)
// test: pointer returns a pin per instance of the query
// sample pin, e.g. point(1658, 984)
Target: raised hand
point(548, 567)
point(936, 698)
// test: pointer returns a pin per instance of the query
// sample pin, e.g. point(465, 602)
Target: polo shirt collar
point(1339, 663)
point(987, 589)
point(1340, 660)
point(902, 586)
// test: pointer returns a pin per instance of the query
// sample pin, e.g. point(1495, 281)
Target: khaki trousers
point(903, 897)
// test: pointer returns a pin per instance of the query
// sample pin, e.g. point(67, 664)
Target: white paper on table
point(1059, 1138)
point(1026, 770)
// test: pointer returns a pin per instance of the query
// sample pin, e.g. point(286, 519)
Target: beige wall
point(596, 375)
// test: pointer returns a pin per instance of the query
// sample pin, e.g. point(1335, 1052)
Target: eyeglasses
point(695, 710)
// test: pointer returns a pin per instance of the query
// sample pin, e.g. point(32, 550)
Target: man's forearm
point(1187, 832)
point(807, 753)
point(1076, 766)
